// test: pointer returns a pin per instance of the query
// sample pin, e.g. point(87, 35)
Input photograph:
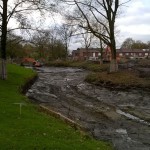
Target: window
point(99, 54)
point(146, 54)
point(120, 54)
point(140, 54)
point(93, 54)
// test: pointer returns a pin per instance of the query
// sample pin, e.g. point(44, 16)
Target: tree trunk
point(3, 40)
point(113, 66)
point(113, 62)
point(3, 69)
point(101, 52)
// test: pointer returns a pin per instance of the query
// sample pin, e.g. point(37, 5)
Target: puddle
point(127, 105)
point(121, 131)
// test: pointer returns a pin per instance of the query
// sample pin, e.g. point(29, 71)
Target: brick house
point(86, 54)
point(94, 53)
point(134, 53)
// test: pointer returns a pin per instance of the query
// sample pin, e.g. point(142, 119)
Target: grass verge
point(120, 80)
point(33, 130)
point(89, 65)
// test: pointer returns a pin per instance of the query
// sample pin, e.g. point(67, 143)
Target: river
point(121, 117)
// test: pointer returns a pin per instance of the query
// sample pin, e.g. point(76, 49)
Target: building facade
point(134, 53)
point(94, 54)
point(86, 54)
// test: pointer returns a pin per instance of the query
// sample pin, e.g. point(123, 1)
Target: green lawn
point(33, 130)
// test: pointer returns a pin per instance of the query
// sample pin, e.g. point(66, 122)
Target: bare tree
point(127, 43)
point(104, 12)
point(40, 39)
point(49, 44)
point(139, 45)
point(14, 46)
point(66, 31)
point(18, 10)
point(148, 44)
point(87, 39)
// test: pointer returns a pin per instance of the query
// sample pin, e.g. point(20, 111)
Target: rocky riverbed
point(121, 117)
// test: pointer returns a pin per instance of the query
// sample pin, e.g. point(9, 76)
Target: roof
point(118, 50)
point(133, 50)
point(85, 50)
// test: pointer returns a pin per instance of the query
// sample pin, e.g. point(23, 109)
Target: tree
point(87, 39)
point(100, 28)
point(3, 36)
point(98, 43)
point(65, 32)
point(139, 45)
point(14, 46)
point(104, 13)
point(48, 44)
point(18, 10)
point(148, 44)
point(40, 40)
point(127, 44)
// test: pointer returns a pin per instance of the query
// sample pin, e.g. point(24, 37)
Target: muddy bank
point(122, 117)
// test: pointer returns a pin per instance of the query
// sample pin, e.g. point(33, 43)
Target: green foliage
point(33, 130)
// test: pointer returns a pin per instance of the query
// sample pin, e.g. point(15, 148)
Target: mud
point(121, 117)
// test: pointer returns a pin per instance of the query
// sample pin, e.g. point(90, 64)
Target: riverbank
point(30, 129)
point(131, 75)
point(121, 80)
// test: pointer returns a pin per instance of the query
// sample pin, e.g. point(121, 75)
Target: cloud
point(135, 22)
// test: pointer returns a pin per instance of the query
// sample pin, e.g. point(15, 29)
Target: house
point(94, 54)
point(86, 54)
point(133, 53)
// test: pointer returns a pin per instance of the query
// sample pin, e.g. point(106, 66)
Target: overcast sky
point(134, 22)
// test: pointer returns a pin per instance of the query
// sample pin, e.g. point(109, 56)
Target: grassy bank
point(33, 130)
point(120, 80)
point(123, 79)
point(92, 66)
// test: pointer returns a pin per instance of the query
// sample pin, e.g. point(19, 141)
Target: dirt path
point(117, 116)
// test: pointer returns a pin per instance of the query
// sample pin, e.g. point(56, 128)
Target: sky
point(134, 22)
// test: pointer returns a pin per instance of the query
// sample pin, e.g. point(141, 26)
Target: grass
point(89, 65)
point(120, 78)
point(33, 130)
